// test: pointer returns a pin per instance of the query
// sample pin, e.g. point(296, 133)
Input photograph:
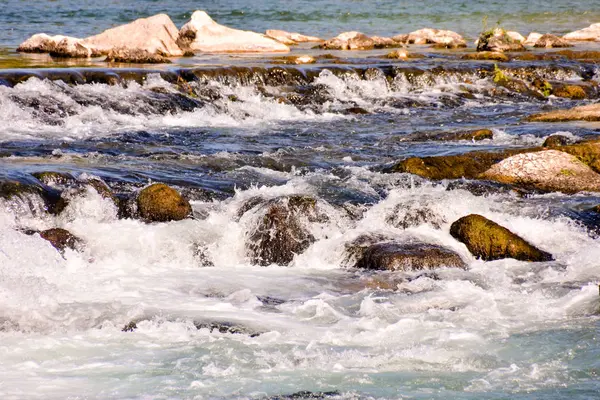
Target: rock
point(202, 33)
point(297, 60)
point(549, 41)
point(487, 55)
point(549, 170)
point(568, 91)
point(435, 36)
point(592, 32)
point(401, 54)
point(139, 56)
point(519, 86)
point(416, 216)
point(474, 135)
point(102, 189)
point(305, 395)
point(489, 241)
point(159, 202)
point(33, 196)
point(556, 141)
point(497, 40)
point(60, 239)
point(154, 35)
point(281, 232)
point(349, 41)
point(532, 39)
point(484, 188)
point(516, 36)
point(356, 111)
point(394, 256)
point(290, 38)
point(401, 39)
point(53, 178)
point(582, 113)
point(383, 42)
point(57, 46)
point(226, 327)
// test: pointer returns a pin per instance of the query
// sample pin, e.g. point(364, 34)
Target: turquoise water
point(21, 19)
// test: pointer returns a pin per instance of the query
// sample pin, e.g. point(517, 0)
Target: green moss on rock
point(488, 240)
point(161, 203)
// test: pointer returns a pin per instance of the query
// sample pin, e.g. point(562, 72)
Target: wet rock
point(349, 41)
point(54, 178)
point(484, 188)
point(380, 42)
point(297, 60)
point(356, 111)
point(58, 45)
point(290, 38)
point(60, 239)
point(401, 54)
point(395, 256)
point(154, 35)
point(202, 33)
point(305, 395)
point(130, 327)
point(489, 241)
point(474, 135)
point(436, 36)
point(487, 56)
point(415, 216)
point(582, 113)
point(138, 56)
point(498, 40)
point(518, 86)
point(159, 203)
point(532, 39)
point(591, 33)
point(548, 170)
point(556, 141)
point(571, 91)
point(548, 41)
point(27, 193)
point(281, 232)
point(226, 327)
point(516, 36)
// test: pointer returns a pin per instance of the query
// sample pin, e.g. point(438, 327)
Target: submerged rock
point(592, 33)
point(202, 33)
point(290, 38)
point(349, 41)
point(489, 241)
point(369, 252)
point(582, 113)
point(548, 41)
point(474, 135)
point(60, 239)
point(227, 327)
point(54, 178)
point(305, 395)
point(139, 56)
point(159, 203)
point(556, 141)
point(281, 232)
point(415, 216)
point(545, 170)
point(401, 54)
point(498, 40)
point(487, 56)
point(27, 193)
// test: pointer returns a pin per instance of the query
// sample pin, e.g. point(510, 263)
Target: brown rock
point(290, 38)
point(556, 141)
point(582, 113)
point(489, 241)
point(159, 202)
point(137, 56)
point(548, 41)
point(349, 41)
point(61, 239)
point(487, 56)
point(498, 40)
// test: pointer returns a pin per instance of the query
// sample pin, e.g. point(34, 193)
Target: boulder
point(202, 33)
point(290, 38)
point(415, 216)
point(548, 170)
point(548, 41)
point(435, 36)
point(349, 41)
point(159, 203)
point(582, 113)
point(155, 35)
point(60, 239)
point(532, 39)
point(498, 40)
point(487, 55)
point(138, 56)
point(57, 46)
point(556, 141)
point(592, 32)
point(383, 42)
point(573, 91)
point(516, 36)
point(281, 232)
point(29, 195)
point(489, 241)
point(396, 256)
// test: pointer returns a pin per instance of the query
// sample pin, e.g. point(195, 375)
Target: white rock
point(290, 38)
point(516, 36)
point(592, 32)
point(532, 38)
point(155, 35)
point(434, 36)
point(59, 45)
point(202, 33)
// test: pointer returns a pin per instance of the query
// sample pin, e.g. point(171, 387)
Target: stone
point(568, 91)
point(60, 239)
point(202, 33)
point(486, 56)
point(548, 170)
point(435, 36)
point(497, 40)
point(159, 203)
point(473, 135)
point(592, 33)
point(532, 39)
point(556, 141)
point(489, 241)
point(57, 46)
point(281, 232)
point(138, 56)
point(53, 178)
point(155, 35)
point(297, 60)
point(383, 42)
point(414, 216)
point(549, 41)
point(396, 256)
point(582, 113)
point(290, 38)
point(226, 327)
point(401, 39)
point(516, 36)
point(349, 41)
point(26, 194)
point(401, 54)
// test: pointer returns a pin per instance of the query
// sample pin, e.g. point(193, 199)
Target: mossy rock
point(160, 203)
point(486, 56)
point(489, 241)
point(556, 141)
point(566, 91)
point(53, 178)
point(473, 135)
point(10, 189)
point(281, 232)
point(53, 202)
